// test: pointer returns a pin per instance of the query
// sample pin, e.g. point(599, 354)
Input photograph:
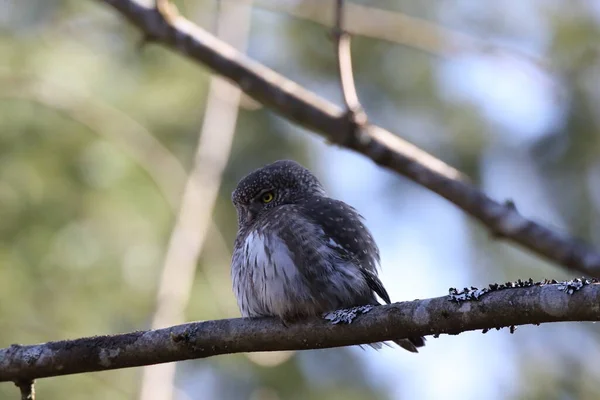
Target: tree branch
point(354, 111)
point(534, 303)
point(386, 149)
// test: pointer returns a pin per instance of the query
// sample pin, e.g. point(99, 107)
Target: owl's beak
point(252, 211)
point(246, 214)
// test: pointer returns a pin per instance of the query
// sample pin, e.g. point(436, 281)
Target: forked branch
point(386, 149)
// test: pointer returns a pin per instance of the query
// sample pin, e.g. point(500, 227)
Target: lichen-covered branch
point(509, 305)
point(386, 149)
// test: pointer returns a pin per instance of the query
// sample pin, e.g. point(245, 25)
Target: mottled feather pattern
point(301, 253)
point(288, 267)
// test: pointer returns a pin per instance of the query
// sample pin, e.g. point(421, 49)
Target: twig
point(383, 147)
point(354, 110)
point(27, 389)
point(399, 28)
point(167, 9)
point(535, 304)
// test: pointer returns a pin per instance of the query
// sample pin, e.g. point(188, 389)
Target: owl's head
point(282, 182)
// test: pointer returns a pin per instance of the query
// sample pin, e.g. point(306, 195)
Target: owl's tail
point(411, 344)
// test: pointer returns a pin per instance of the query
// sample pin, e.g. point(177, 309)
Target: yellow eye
point(267, 197)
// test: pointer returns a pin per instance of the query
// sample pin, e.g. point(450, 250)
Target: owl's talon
point(346, 315)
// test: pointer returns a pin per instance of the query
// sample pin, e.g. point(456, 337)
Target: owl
point(299, 253)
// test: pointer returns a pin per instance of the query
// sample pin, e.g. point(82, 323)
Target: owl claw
point(346, 315)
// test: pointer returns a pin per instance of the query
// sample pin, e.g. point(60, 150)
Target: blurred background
point(117, 163)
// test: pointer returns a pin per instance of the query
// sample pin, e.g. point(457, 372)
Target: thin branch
point(27, 389)
point(531, 304)
point(354, 110)
point(167, 9)
point(383, 147)
point(261, 83)
point(199, 197)
point(399, 28)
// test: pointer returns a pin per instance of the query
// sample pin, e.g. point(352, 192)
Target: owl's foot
point(346, 315)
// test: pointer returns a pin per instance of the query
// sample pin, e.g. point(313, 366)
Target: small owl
point(299, 253)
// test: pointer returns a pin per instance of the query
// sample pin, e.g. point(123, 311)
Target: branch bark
point(383, 147)
point(507, 307)
point(354, 110)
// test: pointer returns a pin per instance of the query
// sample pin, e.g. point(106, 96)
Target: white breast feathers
point(274, 276)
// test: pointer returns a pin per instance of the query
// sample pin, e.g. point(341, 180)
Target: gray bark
point(448, 314)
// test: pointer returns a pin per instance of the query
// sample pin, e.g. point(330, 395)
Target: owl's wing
point(376, 285)
point(322, 230)
point(348, 237)
point(345, 230)
point(305, 266)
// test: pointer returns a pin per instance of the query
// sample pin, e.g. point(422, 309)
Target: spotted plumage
point(299, 253)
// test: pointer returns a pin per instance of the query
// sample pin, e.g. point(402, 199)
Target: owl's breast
point(287, 265)
point(266, 278)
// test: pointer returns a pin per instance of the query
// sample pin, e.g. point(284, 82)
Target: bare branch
point(167, 9)
point(533, 304)
point(386, 149)
point(354, 110)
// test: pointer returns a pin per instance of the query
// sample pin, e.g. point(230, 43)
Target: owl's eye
point(267, 197)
